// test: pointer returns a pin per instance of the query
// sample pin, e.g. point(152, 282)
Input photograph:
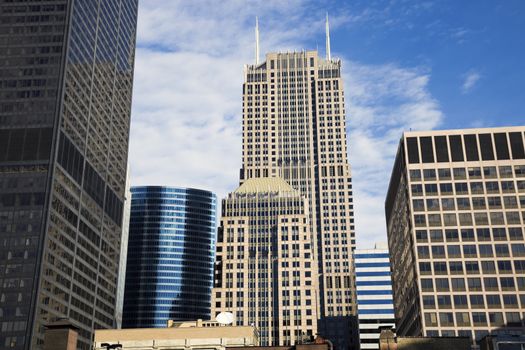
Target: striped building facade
point(374, 294)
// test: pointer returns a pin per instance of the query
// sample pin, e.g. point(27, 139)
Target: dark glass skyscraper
point(66, 69)
point(171, 249)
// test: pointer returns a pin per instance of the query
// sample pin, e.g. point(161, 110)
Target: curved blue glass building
point(171, 251)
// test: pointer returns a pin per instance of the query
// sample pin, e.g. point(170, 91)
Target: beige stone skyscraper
point(294, 129)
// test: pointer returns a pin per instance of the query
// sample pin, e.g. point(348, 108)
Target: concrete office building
point(171, 245)
point(180, 335)
point(66, 71)
point(375, 307)
point(294, 129)
point(455, 209)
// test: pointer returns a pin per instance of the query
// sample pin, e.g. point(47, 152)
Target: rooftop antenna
point(328, 56)
point(256, 40)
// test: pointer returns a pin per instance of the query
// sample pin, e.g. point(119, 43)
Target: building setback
point(264, 272)
point(294, 128)
point(171, 247)
point(66, 71)
point(455, 209)
point(374, 294)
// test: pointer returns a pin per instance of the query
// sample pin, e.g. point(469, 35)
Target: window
point(415, 175)
point(418, 205)
point(502, 250)
point(479, 319)
point(425, 268)
point(453, 251)
point(488, 267)
point(430, 319)
point(452, 235)
point(438, 252)
point(433, 204)
point(446, 319)
point(496, 319)
point(440, 143)
point(460, 301)
point(417, 190)
point(483, 234)
point(485, 143)
point(413, 152)
point(470, 251)
point(474, 284)
point(461, 188)
point(518, 249)
point(442, 285)
point(436, 236)
point(502, 148)
point(456, 148)
point(462, 319)
point(429, 174)
point(485, 250)
point(507, 283)
point(440, 268)
point(493, 301)
point(427, 152)
point(467, 235)
point(446, 189)
point(445, 174)
point(476, 301)
point(444, 301)
point(504, 267)
point(472, 267)
point(513, 319)
point(491, 283)
point(490, 172)
point(456, 267)
point(419, 220)
point(431, 189)
point(458, 284)
point(421, 236)
point(471, 147)
point(429, 302)
point(423, 252)
point(426, 285)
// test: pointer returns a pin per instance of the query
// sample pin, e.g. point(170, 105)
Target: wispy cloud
point(382, 102)
point(470, 79)
point(186, 122)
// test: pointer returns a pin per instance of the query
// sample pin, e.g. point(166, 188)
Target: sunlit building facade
point(294, 129)
point(455, 215)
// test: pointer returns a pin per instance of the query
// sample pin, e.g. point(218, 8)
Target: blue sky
point(406, 65)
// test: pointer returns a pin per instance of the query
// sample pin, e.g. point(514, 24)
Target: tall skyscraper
point(66, 70)
point(169, 272)
point(455, 214)
point(374, 294)
point(294, 129)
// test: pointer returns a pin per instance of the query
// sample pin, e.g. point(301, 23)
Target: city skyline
point(409, 89)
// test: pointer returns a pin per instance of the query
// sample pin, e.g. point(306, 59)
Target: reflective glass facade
point(66, 70)
point(171, 249)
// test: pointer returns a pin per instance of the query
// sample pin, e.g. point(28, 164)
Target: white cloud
point(382, 102)
point(470, 80)
point(186, 122)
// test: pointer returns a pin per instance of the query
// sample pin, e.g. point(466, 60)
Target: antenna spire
point(328, 56)
point(256, 40)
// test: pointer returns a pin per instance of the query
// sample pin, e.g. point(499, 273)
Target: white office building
point(374, 294)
